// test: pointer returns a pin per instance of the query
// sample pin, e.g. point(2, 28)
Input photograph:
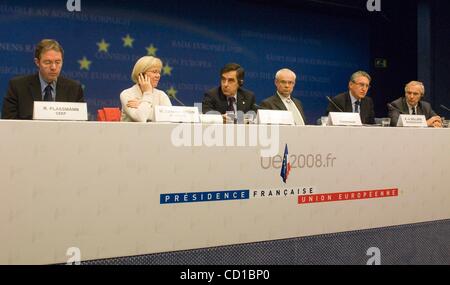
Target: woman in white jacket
point(139, 101)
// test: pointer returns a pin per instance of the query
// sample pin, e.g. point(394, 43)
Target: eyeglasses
point(415, 94)
point(285, 82)
point(362, 85)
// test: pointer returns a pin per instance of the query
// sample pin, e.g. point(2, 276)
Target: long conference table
point(97, 191)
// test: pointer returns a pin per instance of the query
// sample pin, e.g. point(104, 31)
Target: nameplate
point(275, 117)
point(418, 121)
point(60, 111)
point(176, 114)
point(211, 119)
point(344, 119)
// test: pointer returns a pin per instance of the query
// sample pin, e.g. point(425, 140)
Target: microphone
point(396, 109)
point(176, 99)
point(334, 104)
point(445, 108)
point(258, 107)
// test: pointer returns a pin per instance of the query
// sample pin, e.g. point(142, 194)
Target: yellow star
point(84, 63)
point(167, 70)
point(151, 50)
point(128, 41)
point(172, 92)
point(103, 46)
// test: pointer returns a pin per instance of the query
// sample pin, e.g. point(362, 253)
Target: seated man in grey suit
point(355, 100)
point(283, 100)
point(412, 104)
point(46, 85)
point(230, 96)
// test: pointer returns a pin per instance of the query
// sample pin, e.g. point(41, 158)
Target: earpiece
point(240, 76)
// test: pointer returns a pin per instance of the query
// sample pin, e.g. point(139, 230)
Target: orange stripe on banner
point(346, 196)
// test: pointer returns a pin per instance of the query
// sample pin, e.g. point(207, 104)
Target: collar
point(284, 99)
point(353, 99)
point(45, 83)
point(410, 107)
point(235, 97)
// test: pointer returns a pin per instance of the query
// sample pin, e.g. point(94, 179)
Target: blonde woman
point(138, 102)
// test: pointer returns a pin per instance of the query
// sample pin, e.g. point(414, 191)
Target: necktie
point(230, 107)
point(295, 112)
point(357, 103)
point(48, 93)
point(413, 110)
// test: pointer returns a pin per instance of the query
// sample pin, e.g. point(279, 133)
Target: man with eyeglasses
point(355, 100)
point(283, 100)
point(412, 104)
point(46, 85)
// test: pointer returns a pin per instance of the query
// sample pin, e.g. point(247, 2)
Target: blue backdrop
point(194, 39)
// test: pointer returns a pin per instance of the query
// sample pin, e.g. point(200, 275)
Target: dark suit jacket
point(24, 90)
point(344, 102)
point(215, 100)
point(274, 103)
point(423, 108)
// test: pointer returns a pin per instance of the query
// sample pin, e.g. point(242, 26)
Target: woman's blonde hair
point(144, 64)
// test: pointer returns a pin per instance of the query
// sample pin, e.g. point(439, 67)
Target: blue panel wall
point(194, 39)
point(441, 57)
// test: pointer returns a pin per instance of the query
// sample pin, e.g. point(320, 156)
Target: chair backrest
point(109, 114)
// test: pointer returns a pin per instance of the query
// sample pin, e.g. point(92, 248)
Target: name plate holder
point(176, 114)
point(275, 117)
point(344, 119)
point(211, 119)
point(415, 121)
point(60, 111)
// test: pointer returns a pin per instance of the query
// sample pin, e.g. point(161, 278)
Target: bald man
point(283, 100)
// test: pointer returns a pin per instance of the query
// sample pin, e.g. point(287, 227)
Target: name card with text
point(418, 121)
point(275, 117)
point(176, 114)
point(211, 119)
point(344, 119)
point(60, 111)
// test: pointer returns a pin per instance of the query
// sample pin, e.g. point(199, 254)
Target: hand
point(224, 118)
point(144, 83)
point(435, 122)
point(133, 103)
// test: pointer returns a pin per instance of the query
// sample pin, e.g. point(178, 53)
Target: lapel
point(241, 102)
point(405, 108)
point(297, 103)
point(60, 91)
point(299, 107)
point(348, 103)
point(278, 103)
point(35, 88)
point(419, 109)
point(363, 107)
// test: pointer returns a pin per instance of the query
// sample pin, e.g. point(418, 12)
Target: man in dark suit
point(230, 96)
point(412, 104)
point(46, 85)
point(283, 100)
point(355, 100)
